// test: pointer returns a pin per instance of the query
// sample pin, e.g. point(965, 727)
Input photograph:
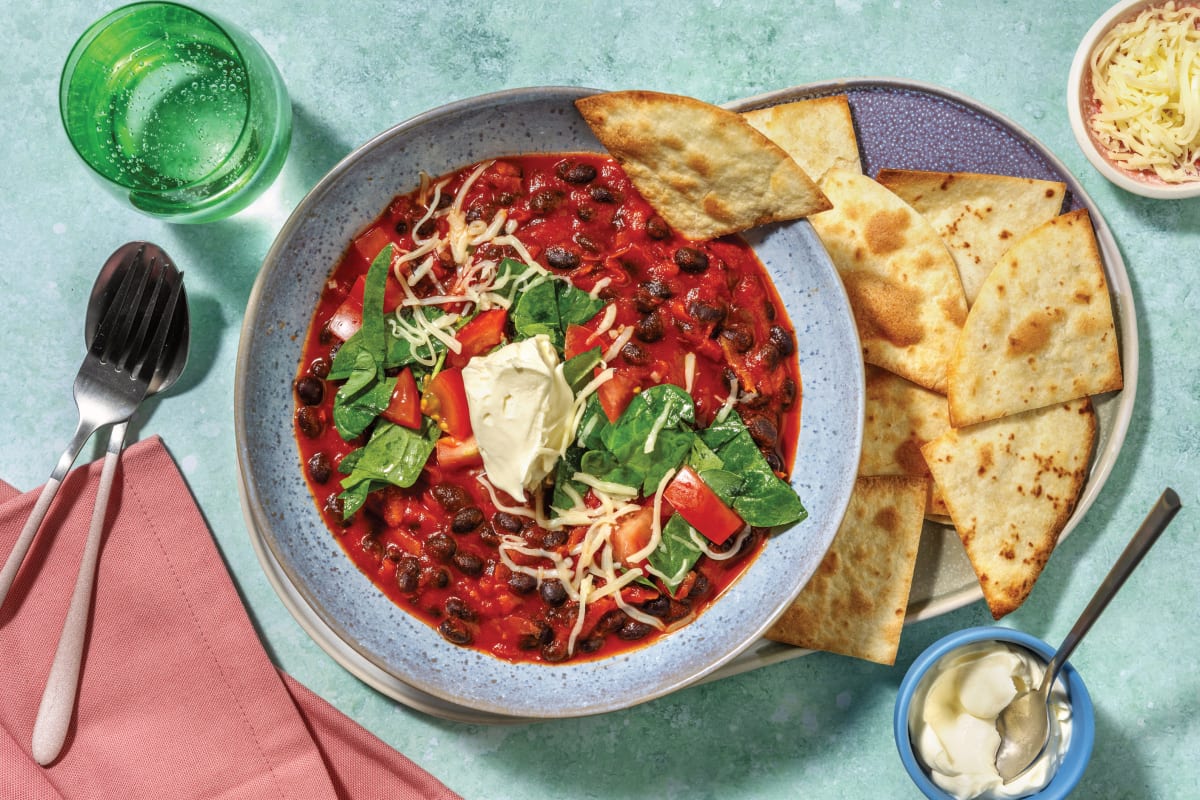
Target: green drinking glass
point(177, 112)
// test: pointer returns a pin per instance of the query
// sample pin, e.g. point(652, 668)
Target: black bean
point(468, 563)
point(763, 431)
point(308, 420)
point(401, 227)
point(326, 336)
point(553, 539)
point(561, 257)
point(408, 571)
point(508, 522)
point(699, 588)
point(657, 228)
point(540, 635)
point(586, 242)
point(440, 546)
point(336, 507)
point(707, 312)
point(739, 337)
point(553, 593)
point(319, 468)
point(467, 519)
point(649, 328)
point(455, 631)
point(770, 356)
point(545, 201)
point(393, 552)
point(660, 289)
point(555, 652)
point(451, 496)
point(689, 259)
point(590, 644)
point(457, 607)
point(488, 536)
point(585, 214)
point(788, 393)
point(371, 546)
point(635, 355)
point(575, 173)
point(774, 461)
point(633, 630)
point(427, 229)
point(658, 607)
point(506, 198)
point(319, 367)
point(602, 194)
point(611, 621)
point(521, 583)
point(782, 339)
point(437, 577)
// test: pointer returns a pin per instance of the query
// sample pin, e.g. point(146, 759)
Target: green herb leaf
point(676, 553)
point(355, 410)
point(702, 458)
point(394, 455)
point(568, 465)
point(762, 499)
point(400, 352)
point(590, 434)
point(549, 307)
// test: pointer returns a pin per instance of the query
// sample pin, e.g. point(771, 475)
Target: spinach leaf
point(621, 456)
point(549, 307)
point(354, 412)
point(762, 499)
point(578, 370)
point(568, 465)
point(400, 352)
point(592, 424)
point(725, 484)
point(702, 458)
point(394, 455)
point(676, 553)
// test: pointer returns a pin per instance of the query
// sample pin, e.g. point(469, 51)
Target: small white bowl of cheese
point(1133, 97)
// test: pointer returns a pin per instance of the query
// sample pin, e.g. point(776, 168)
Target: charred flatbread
point(705, 169)
point(818, 133)
point(904, 289)
point(1011, 485)
point(901, 418)
point(856, 601)
point(1041, 331)
point(978, 216)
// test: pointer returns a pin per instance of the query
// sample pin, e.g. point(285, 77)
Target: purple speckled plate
point(343, 611)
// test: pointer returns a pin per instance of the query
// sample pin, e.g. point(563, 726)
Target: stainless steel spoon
point(58, 700)
point(1024, 724)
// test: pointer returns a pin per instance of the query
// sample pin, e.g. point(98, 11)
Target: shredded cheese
point(1146, 83)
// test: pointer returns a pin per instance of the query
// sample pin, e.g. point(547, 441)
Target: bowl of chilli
point(487, 261)
point(1131, 97)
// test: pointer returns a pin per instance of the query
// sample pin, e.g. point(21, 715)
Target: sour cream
point(953, 725)
point(520, 409)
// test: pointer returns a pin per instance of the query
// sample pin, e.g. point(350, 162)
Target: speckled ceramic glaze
point(282, 511)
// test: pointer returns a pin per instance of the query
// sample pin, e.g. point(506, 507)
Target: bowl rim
point(259, 522)
point(1083, 716)
point(1077, 75)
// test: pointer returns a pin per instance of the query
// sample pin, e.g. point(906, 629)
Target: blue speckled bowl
point(284, 517)
point(1083, 716)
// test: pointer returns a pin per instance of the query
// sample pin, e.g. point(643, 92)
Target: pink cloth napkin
point(177, 698)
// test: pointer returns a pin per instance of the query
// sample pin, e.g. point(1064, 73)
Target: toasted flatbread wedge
point(904, 289)
point(706, 170)
point(978, 216)
point(818, 133)
point(856, 601)
point(1041, 331)
point(1011, 485)
point(901, 418)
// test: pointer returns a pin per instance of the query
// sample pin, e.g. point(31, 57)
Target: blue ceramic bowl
point(283, 517)
point(1083, 718)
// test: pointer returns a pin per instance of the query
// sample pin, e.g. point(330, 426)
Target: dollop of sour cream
point(520, 408)
point(953, 727)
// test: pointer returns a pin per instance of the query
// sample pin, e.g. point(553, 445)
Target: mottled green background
point(819, 726)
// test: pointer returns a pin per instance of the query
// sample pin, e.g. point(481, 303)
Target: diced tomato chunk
point(445, 399)
point(632, 534)
point(481, 334)
point(697, 503)
point(577, 341)
point(405, 406)
point(454, 453)
point(615, 395)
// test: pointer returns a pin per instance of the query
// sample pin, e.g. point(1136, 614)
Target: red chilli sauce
point(433, 547)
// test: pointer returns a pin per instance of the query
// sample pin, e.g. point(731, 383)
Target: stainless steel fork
point(113, 378)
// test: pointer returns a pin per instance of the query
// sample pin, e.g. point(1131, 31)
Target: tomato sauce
point(432, 548)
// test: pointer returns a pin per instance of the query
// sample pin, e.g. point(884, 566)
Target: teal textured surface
point(818, 726)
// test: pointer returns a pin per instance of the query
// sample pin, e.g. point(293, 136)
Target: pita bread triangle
point(1041, 331)
point(704, 169)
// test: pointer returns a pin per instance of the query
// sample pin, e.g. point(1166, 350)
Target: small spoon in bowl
point(1024, 724)
point(58, 699)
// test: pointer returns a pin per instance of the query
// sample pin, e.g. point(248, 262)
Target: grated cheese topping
point(1146, 83)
